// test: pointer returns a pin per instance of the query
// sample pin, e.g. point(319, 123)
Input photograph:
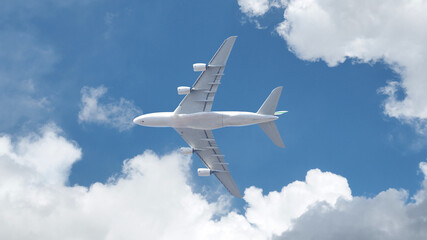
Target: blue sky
point(335, 119)
point(339, 119)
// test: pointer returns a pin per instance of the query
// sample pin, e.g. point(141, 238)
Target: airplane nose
point(138, 120)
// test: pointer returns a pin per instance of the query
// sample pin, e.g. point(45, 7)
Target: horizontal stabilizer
point(271, 130)
point(278, 113)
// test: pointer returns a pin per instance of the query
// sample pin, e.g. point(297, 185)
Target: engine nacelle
point(186, 150)
point(183, 90)
point(198, 67)
point(204, 172)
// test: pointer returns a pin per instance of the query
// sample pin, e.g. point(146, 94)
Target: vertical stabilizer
point(269, 106)
point(271, 130)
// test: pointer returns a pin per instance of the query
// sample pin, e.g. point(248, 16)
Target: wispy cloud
point(153, 199)
point(115, 113)
point(23, 62)
point(368, 31)
point(109, 23)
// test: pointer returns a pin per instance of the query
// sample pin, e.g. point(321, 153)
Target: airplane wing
point(203, 91)
point(206, 148)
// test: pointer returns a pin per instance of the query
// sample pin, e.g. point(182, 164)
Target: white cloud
point(386, 216)
point(153, 199)
point(254, 7)
point(118, 114)
point(369, 31)
point(257, 8)
point(274, 212)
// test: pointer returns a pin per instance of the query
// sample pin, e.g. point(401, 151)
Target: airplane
point(194, 120)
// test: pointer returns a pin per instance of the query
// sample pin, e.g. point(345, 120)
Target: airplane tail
point(269, 108)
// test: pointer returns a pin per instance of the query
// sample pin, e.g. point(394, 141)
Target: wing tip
point(279, 88)
point(239, 195)
point(230, 39)
point(235, 192)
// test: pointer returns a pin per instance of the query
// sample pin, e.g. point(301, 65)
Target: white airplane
point(194, 121)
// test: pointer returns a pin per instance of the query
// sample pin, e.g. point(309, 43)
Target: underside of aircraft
point(194, 120)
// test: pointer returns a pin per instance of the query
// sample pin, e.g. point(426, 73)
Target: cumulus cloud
point(118, 114)
point(369, 31)
point(152, 198)
point(274, 212)
point(386, 216)
point(254, 7)
point(31, 158)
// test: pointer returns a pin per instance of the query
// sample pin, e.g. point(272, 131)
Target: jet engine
point(203, 172)
point(198, 67)
point(186, 150)
point(183, 90)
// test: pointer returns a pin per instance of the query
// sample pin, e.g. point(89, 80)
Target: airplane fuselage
point(202, 120)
